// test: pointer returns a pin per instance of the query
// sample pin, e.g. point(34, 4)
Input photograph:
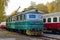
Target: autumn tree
point(50, 7)
point(53, 6)
point(26, 9)
point(58, 5)
point(42, 7)
point(3, 3)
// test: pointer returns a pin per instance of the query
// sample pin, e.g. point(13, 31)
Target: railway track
point(54, 36)
point(45, 36)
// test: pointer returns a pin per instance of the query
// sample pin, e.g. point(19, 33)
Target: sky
point(14, 4)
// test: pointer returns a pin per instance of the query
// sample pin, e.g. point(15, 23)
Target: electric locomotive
point(30, 22)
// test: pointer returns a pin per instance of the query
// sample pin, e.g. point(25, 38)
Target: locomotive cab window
point(24, 17)
point(20, 17)
point(13, 19)
point(55, 19)
point(49, 19)
point(9, 19)
point(17, 18)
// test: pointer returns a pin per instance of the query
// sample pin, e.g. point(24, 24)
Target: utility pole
point(18, 8)
point(15, 11)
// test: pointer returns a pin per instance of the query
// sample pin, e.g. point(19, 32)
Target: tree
point(50, 7)
point(58, 5)
point(53, 6)
point(26, 9)
point(3, 3)
point(42, 7)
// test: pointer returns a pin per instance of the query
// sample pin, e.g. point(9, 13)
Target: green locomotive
point(30, 22)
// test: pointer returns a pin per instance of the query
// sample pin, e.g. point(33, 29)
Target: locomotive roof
point(34, 10)
point(52, 14)
point(30, 11)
